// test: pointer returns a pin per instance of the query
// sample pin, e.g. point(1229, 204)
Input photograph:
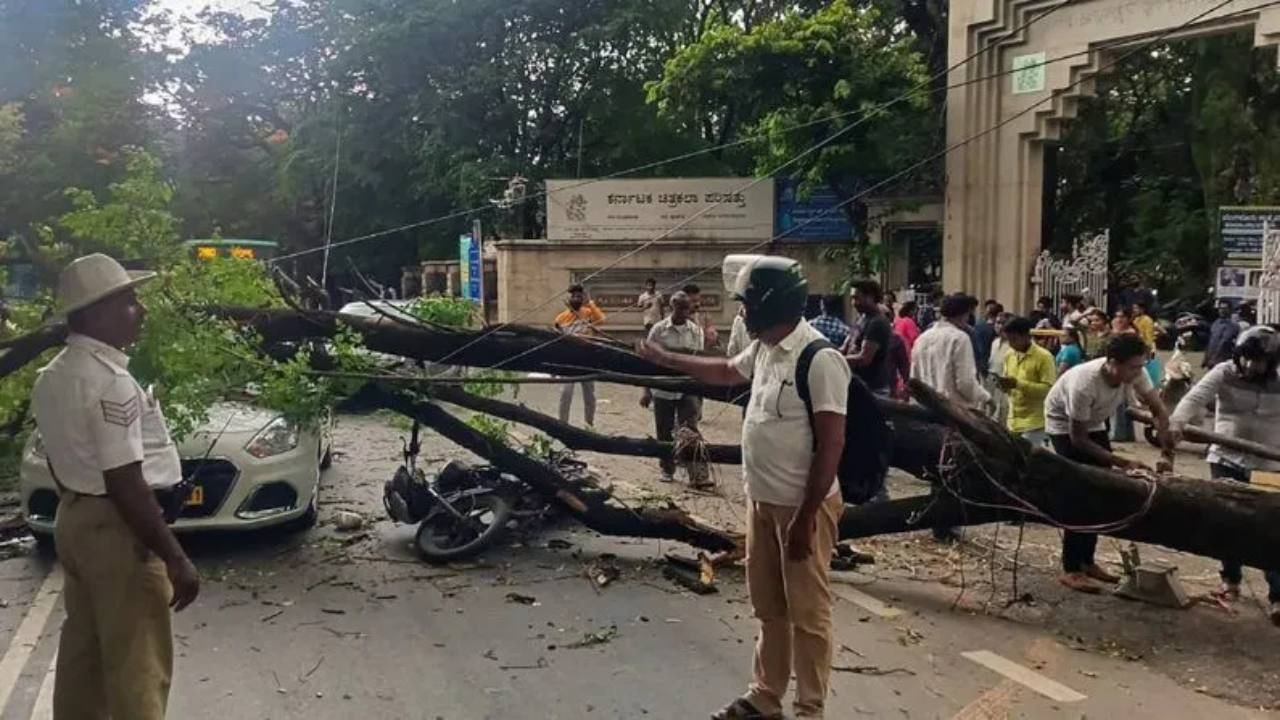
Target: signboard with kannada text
point(660, 208)
point(1240, 229)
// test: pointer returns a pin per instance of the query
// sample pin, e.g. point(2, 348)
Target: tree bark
point(982, 473)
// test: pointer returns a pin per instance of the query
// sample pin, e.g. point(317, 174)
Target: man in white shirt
point(109, 450)
point(943, 356)
point(943, 359)
point(650, 304)
point(789, 461)
point(1076, 412)
point(677, 333)
point(1245, 392)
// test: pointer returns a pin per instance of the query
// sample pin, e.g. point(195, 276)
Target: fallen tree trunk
point(576, 438)
point(992, 471)
point(987, 475)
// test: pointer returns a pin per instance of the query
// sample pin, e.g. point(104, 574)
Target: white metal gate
point(1269, 283)
point(1084, 273)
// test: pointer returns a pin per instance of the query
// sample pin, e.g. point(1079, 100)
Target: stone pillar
point(994, 192)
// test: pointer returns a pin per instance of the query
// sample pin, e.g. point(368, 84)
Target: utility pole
point(580, 122)
point(478, 239)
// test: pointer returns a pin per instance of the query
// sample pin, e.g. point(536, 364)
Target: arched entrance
point(995, 184)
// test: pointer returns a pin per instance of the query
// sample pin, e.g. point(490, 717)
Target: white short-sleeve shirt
point(777, 438)
point(685, 338)
point(93, 417)
point(1083, 395)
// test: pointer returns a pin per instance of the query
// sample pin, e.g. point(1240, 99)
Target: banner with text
point(470, 276)
point(812, 216)
point(1240, 229)
point(645, 209)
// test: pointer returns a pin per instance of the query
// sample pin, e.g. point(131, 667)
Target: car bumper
point(257, 493)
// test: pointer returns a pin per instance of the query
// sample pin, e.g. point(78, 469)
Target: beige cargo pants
point(115, 657)
point(792, 601)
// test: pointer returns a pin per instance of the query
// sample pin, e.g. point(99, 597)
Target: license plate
point(196, 498)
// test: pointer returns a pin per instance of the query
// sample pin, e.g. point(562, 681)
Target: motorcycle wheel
point(442, 538)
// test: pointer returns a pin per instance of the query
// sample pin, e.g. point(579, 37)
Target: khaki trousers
point(793, 602)
point(115, 657)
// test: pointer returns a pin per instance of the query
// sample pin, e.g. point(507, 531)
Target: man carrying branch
point(678, 333)
point(789, 461)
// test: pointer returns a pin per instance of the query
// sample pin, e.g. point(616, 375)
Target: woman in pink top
point(905, 325)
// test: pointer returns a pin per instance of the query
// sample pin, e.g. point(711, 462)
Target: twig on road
point(874, 670)
point(313, 670)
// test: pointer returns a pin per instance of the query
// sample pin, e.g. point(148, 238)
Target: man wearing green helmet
point(791, 453)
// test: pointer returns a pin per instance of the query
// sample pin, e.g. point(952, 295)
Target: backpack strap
point(803, 363)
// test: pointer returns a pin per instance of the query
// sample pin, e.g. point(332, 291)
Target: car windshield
point(379, 308)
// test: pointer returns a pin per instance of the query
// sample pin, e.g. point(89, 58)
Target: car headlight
point(279, 436)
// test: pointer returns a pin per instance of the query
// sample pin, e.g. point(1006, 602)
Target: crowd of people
point(1060, 378)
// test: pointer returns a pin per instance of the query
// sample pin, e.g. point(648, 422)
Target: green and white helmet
point(772, 289)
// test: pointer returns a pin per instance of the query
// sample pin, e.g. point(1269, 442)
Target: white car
point(261, 471)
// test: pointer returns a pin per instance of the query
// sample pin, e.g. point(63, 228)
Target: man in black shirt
point(868, 348)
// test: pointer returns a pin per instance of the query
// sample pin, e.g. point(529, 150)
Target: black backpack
point(867, 437)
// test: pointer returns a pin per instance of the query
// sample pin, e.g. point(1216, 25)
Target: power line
point(865, 112)
point(901, 98)
point(941, 153)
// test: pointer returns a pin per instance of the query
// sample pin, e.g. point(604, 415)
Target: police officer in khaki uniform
point(109, 450)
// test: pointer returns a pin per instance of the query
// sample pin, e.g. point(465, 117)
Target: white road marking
point(1025, 676)
point(28, 634)
point(43, 709)
point(864, 601)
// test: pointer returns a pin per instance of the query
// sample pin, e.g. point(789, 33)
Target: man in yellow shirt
point(582, 317)
point(1029, 374)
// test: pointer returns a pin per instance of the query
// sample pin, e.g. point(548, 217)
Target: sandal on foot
point(1079, 582)
point(742, 709)
point(1098, 573)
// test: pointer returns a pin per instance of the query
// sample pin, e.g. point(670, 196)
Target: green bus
point(209, 249)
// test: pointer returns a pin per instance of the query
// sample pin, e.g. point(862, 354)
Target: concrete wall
point(533, 275)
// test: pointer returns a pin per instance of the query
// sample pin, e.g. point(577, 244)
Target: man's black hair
point(1019, 326)
point(870, 288)
point(832, 304)
point(692, 289)
point(956, 306)
point(1124, 348)
point(577, 287)
point(1045, 300)
point(650, 281)
point(908, 309)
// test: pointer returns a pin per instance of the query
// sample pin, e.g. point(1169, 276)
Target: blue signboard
point(815, 216)
point(470, 274)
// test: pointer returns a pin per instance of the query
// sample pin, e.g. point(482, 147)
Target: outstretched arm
point(710, 370)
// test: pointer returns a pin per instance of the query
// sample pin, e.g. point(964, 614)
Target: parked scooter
point(462, 509)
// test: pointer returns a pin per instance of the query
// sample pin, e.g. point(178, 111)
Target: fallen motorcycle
point(462, 509)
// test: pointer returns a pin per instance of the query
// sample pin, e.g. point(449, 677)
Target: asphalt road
point(329, 625)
